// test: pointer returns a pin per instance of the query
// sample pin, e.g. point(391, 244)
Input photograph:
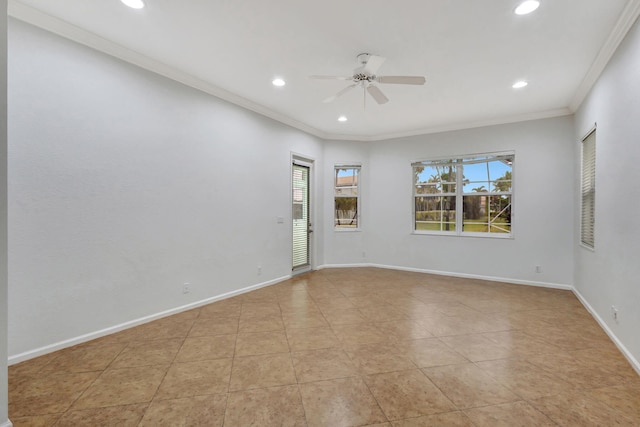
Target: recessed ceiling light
point(342, 119)
point(278, 82)
point(527, 7)
point(134, 4)
point(520, 84)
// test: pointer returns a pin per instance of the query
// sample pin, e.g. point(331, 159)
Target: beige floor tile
point(221, 309)
point(207, 348)
point(430, 352)
point(407, 394)
point(116, 387)
point(358, 334)
point(194, 411)
point(274, 406)
point(368, 300)
point(324, 364)
point(583, 370)
point(382, 313)
point(509, 415)
point(347, 316)
point(263, 323)
point(303, 320)
point(468, 386)
point(195, 378)
point(334, 304)
point(323, 292)
point(83, 358)
point(476, 347)
point(311, 339)
point(267, 370)
point(166, 328)
point(295, 300)
point(125, 416)
point(378, 358)
point(255, 343)
point(340, 402)
point(623, 398)
point(214, 326)
point(259, 309)
point(35, 421)
point(402, 330)
point(581, 409)
point(266, 294)
point(521, 344)
point(47, 395)
point(448, 419)
point(528, 343)
point(160, 352)
point(526, 380)
point(30, 367)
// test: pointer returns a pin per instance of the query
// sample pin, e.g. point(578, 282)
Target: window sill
point(454, 234)
point(347, 230)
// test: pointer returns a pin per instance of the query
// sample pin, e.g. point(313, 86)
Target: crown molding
point(64, 29)
point(32, 16)
point(626, 20)
point(558, 112)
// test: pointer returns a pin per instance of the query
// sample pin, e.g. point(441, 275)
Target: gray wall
point(125, 185)
point(542, 214)
point(609, 274)
point(4, 414)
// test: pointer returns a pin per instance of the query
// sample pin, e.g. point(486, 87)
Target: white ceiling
point(470, 51)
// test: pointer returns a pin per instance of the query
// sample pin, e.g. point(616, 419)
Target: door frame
point(309, 162)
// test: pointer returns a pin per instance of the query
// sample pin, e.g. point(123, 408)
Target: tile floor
point(344, 347)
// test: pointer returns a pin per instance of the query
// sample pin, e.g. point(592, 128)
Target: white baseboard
point(632, 360)
point(6, 424)
point(323, 266)
point(452, 274)
point(12, 360)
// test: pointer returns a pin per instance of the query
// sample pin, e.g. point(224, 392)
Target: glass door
point(300, 216)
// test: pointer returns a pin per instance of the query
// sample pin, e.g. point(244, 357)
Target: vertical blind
point(587, 220)
point(300, 215)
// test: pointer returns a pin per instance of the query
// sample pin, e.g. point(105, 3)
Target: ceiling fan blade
point(377, 94)
point(373, 63)
point(339, 94)
point(402, 80)
point(331, 77)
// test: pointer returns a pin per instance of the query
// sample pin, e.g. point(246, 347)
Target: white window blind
point(587, 220)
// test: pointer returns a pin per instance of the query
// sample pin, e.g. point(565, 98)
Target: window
point(588, 206)
point(464, 196)
point(346, 198)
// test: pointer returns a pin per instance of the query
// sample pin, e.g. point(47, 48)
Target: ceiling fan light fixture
point(527, 7)
point(342, 119)
point(520, 84)
point(278, 82)
point(133, 4)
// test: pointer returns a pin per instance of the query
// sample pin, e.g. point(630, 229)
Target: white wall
point(124, 185)
point(542, 214)
point(609, 275)
point(4, 399)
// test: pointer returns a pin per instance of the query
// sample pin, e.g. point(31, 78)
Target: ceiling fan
point(365, 77)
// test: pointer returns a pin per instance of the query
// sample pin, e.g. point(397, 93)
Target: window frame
point(591, 138)
point(459, 194)
point(357, 186)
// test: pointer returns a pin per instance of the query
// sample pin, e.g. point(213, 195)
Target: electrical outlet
point(259, 270)
point(364, 254)
point(538, 269)
point(186, 288)
point(614, 313)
